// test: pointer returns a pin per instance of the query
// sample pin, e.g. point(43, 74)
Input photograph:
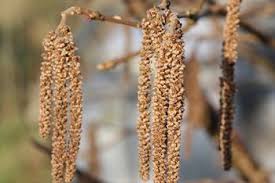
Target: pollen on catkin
point(62, 81)
point(176, 96)
point(46, 85)
point(227, 85)
point(144, 100)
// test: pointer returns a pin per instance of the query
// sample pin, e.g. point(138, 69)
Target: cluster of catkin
point(161, 95)
point(61, 101)
point(227, 85)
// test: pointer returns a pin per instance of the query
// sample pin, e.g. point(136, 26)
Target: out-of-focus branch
point(113, 63)
point(137, 8)
point(215, 181)
point(215, 9)
point(93, 15)
point(93, 152)
point(82, 176)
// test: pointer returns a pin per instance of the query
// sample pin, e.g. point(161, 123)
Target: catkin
point(61, 106)
point(76, 111)
point(160, 91)
point(227, 85)
point(144, 99)
point(162, 47)
point(46, 85)
point(230, 33)
point(176, 96)
point(61, 80)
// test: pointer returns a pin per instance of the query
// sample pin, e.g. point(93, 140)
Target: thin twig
point(215, 9)
point(113, 63)
point(93, 15)
point(82, 176)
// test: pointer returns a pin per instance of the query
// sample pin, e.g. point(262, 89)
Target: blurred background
point(109, 144)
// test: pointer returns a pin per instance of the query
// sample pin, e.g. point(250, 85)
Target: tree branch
point(113, 63)
point(93, 15)
point(83, 177)
point(215, 9)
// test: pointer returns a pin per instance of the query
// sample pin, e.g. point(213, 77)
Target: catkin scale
point(227, 85)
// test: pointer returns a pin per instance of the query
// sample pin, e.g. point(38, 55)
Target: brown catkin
point(176, 96)
point(46, 85)
point(76, 110)
point(144, 100)
point(159, 130)
point(61, 106)
point(227, 85)
point(230, 33)
point(226, 112)
point(61, 86)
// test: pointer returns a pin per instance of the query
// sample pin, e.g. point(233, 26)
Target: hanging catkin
point(227, 85)
point(163, 47)
point(60, 107)
point(160, 98)
point(144, 99)
point(46, 85)
point(60, 77)
point(176, 96)
point(76, 107)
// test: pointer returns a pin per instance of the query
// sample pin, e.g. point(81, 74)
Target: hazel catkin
point(46, 85)
point(60, 106)
point(76, 110)
point(144, 100)
point(61, 80)
point(160, 100)
point(163, 48)
point(176, 97)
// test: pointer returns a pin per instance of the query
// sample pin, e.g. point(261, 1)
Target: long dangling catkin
point(160, 98)
point(61, 80)
point(61, 59)
point(46, 85)
point(144, 100)
point(227, 85)
point(76, 110)
point(176, 97)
